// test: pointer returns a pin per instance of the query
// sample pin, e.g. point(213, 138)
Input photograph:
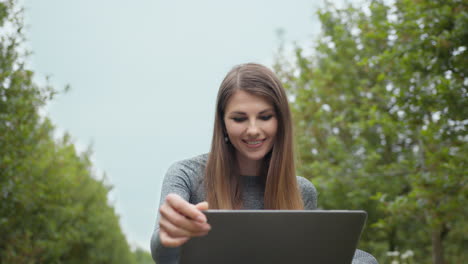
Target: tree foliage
point(381, 113)
point(53, 209)
point(142, 256)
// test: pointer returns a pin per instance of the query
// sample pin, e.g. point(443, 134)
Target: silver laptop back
point(272, 236)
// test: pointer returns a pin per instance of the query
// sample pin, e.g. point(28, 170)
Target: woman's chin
point(255, 156)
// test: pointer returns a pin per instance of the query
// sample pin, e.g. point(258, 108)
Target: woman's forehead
point(242, 101)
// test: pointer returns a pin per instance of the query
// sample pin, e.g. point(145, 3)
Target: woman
point(250, 165)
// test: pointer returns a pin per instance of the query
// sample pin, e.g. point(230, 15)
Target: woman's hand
point(181, 220)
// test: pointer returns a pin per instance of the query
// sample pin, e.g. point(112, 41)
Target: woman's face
point(251, 125)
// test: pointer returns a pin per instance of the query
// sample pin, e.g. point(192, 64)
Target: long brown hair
point(222, 179)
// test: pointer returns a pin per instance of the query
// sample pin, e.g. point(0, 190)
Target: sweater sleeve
point(309, 193)
point(176, 181)
point(362, 257)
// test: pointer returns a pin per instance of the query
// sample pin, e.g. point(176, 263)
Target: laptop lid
point(276, 236)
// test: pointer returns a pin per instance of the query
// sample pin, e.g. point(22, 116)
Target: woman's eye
point(265, 118)
point(239, 119)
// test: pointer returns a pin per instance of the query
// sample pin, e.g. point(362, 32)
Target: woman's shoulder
point(305, 184)
point(186, 174)
point(309, 193)
point(193, 164)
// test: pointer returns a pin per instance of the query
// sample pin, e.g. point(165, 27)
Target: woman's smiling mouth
point(254, 143)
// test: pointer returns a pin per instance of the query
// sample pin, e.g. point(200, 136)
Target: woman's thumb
point(202, 206)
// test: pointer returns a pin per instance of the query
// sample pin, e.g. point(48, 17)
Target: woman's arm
point(178, 220)
point(309, 193)
point(362, 257)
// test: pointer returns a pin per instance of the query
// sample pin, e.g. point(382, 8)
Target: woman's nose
point(253, 130)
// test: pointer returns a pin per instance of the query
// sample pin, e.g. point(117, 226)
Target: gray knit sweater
point(185, 178)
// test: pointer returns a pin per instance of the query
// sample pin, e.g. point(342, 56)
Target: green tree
point(53, 209)
point(142, 256)
point(381, 113)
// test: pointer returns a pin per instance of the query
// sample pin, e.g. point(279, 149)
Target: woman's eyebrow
point(237, 113)
point(266, 110)
point(243, 113)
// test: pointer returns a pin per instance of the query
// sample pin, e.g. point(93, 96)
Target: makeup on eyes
point(239, 119)
point(266, 117)
point(241, 116)
point(242, 119)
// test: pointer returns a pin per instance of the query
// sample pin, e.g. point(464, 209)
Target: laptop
point(276, 236)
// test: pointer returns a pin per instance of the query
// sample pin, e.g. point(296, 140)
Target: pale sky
point(144, 77)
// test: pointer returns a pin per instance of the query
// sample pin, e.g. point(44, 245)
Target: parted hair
point(222, 177)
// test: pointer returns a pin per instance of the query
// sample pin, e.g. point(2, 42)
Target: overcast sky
point(144, 76)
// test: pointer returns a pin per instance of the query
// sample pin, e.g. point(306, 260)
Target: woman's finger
point(180, 221)
point(169, 241)
point(202, 206)
point(185, 208)
point(172, 230)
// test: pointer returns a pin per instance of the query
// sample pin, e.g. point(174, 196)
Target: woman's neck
point(249, 167)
